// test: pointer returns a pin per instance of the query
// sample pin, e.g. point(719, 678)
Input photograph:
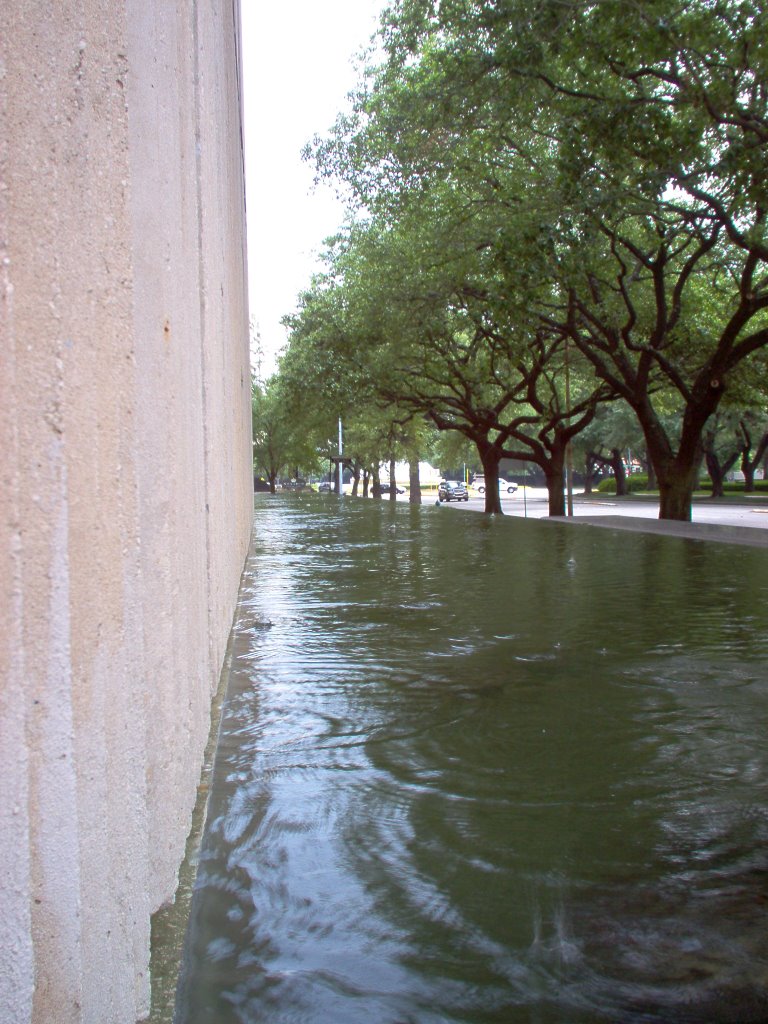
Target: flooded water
point(486, 771)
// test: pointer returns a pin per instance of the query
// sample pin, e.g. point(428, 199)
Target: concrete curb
point(709, 532)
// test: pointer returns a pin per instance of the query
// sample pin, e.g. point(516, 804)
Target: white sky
point(297, 71)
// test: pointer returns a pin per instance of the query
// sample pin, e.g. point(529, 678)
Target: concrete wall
point(125, 474)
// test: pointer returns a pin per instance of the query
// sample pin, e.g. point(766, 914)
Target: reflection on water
point(486, 770)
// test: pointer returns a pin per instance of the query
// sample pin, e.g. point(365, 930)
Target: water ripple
point(486, 772)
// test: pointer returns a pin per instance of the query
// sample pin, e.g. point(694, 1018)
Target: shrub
point(639, 482)
point(636, 482)
point(737, 487)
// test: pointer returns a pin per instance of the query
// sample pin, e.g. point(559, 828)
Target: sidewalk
point(749, 536)
point(735, 520)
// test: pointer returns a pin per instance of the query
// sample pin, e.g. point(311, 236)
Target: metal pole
point(568, 452)
point(341, 471)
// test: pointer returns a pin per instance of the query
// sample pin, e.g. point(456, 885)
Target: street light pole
point(341, 470)
point(568, 452)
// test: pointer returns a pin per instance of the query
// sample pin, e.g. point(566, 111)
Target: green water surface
point(485, 770)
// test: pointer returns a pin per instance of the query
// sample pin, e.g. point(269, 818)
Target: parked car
point(324, 487)
point(452, 490)
point(478, 482)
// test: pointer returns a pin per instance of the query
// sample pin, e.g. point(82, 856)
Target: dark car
point(325, 487)
point(452, 490)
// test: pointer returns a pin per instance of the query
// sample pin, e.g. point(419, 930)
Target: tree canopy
point(552, 184)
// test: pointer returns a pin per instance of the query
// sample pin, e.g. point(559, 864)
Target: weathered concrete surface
point(126, 486)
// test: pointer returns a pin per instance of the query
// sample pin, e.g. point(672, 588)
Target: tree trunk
point(716, 474)
point(749, 465)
point(414, 483)
point(718, 470)
point(619, 472)
point(675, 497)
point(554, 470)
point(592, 462)
point(392, 480)
point(678, 473)
point(366, 478)
point(355, 479)
point(651, 471)
point(491, 457)
point(376, 482)
point(677, 477)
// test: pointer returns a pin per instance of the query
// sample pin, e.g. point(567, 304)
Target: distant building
point(428, 475)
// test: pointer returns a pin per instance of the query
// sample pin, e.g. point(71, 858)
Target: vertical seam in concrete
point(17, 971)
point(239, 83)
point(201, 298)
point(238, 51)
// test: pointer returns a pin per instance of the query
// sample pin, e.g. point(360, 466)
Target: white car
point(504, 485)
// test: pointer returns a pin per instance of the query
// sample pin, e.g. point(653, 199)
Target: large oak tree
point(625, 145)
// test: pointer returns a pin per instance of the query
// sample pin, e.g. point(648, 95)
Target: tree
point(753, 429)
point(442, 342)
point(723, 446)
point(272, 436)
point(640, 326)
point(328, 375)
point(605, 443)
point(626, 145)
